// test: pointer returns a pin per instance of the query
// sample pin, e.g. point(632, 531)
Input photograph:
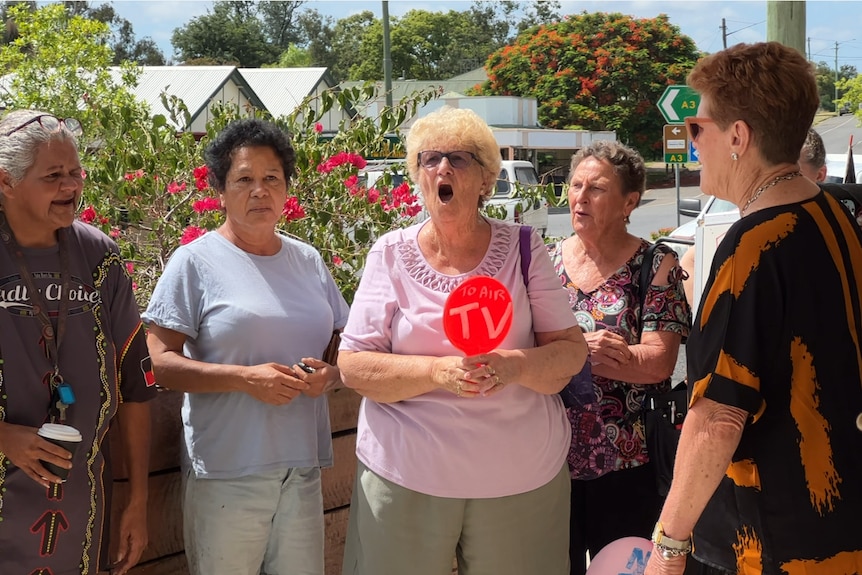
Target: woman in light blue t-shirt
point(233, 314)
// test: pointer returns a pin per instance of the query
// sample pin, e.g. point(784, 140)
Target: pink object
point(477, 315)
point(626, 556)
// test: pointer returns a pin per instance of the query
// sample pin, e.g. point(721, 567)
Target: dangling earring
point(734, 156)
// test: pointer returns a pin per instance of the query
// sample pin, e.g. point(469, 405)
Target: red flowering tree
point(597, 72)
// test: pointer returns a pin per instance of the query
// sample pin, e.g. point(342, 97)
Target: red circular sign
point(477, 315)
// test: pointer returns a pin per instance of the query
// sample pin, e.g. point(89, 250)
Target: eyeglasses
point(52, 124)
point(459, 160)
point(693, 125)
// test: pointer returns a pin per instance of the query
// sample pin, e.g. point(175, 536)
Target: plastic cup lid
point(59, 432)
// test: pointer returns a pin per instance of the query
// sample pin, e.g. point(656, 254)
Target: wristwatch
point(669, 548)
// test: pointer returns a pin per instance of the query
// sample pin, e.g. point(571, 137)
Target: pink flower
point(201, 172)
point(174, 187)
point(114, 233)
point(351, 181)
point(88, 215)
point(103, 220)
point(208, 204)
point(135, 286)
point(337, 261)
point(373, 195)
point(339, 159)
point(318, 127)
point(411, 211)
point(134, 175)
point(130, 267)
point(292, 209)
point(83, 174)
point(191, 233)
point(201, 185)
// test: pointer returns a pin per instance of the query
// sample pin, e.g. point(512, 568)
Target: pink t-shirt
point(437, 443)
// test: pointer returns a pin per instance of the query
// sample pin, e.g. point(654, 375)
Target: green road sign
point(678, 103)
point(678, 158)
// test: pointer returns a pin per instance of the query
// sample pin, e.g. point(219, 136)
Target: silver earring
point(734, 156)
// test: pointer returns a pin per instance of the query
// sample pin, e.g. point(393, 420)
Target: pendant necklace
point(766, 186)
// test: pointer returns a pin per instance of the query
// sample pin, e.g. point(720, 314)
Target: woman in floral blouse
point(632, 350)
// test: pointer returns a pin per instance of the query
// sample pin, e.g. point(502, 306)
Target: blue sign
point(693, 156)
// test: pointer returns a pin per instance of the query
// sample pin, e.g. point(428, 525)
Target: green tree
point(826, 83)
point(293, 57)
point(597, 72)
point(229, 34)
point(317, 37)
point(851, 95)
point(281, 22)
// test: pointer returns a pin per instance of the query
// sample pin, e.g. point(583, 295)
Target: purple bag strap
point(526, 253)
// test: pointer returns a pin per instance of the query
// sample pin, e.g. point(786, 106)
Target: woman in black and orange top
point(768, 472)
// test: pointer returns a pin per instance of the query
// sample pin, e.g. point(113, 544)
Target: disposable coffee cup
point(66, 437)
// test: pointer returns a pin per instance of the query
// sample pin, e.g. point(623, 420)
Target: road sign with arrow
point(678, 103)
point(675, 140)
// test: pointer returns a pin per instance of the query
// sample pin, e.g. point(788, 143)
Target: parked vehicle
point(528, 211)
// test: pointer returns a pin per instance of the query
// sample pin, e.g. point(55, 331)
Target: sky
point(827, 21)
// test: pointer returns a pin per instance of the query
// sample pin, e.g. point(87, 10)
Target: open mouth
point(445, 193)
point(64, 203)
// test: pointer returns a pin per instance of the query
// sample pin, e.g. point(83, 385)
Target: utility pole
point(785, 23)
point(724, 33)
point(836, 66)
point(809, 48)
point(387, 56)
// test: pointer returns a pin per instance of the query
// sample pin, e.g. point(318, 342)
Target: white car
point(520, 210)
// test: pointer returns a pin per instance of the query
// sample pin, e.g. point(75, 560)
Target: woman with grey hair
point(633, 331)
point(458, 456)
point(71, 350)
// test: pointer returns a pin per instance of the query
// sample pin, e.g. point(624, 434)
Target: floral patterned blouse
point(608, 435)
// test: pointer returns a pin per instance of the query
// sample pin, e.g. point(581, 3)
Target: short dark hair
point(813, 150)
point(245, 133)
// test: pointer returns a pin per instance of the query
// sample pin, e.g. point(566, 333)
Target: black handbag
point(663, 414)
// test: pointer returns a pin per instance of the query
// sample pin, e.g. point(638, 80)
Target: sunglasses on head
point(694, 127)
point(51, 124)
point(458, 160)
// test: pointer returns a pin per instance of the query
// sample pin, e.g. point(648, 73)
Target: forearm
point(386, 377)
point(710, 436)
point(175, 371)
point(548, 368)
point(649, 363)
point(134, 424)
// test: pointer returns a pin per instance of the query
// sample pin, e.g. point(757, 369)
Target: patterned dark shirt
point(63, 530)
point(615, 306)
point(779, 335)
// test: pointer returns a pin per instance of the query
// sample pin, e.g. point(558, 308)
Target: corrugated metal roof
point(194, 85)
point(282, 89)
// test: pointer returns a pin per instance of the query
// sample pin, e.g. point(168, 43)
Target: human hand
point(24, 448)
point(608, 348)
point(133, 538)
point(491, 371)
point(324, 377)
point(273, 383)
point(448, 373)
point(658, 565)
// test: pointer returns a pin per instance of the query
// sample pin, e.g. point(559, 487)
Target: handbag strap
point(526, 252)
point(646, 276)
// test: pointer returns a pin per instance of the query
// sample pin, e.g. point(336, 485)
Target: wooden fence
point(164, 554)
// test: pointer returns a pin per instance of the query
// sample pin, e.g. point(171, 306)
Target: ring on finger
point(497, 381)
point(491, 371)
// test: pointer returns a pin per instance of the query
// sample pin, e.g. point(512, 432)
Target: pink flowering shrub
point(150, 190)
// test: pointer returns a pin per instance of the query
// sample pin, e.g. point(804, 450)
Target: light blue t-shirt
point(244, 309)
